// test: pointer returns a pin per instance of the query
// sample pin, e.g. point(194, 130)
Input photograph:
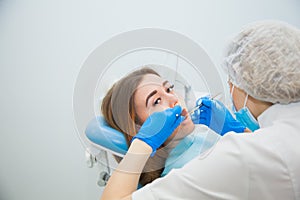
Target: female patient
point(131, 100)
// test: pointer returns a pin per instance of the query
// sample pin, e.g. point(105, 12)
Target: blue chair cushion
point(100, 133)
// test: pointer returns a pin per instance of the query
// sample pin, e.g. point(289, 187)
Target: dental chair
point(104, 140)
point(107, 138)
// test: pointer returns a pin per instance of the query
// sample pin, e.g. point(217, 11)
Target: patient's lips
point(184, 112)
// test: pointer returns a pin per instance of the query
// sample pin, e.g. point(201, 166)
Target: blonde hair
point(118, 109)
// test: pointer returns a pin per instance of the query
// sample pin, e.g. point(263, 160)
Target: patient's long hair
point(118, 109)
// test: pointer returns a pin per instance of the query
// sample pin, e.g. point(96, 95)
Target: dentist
point(263, 64)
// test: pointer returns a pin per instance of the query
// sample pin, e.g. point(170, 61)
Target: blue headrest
point(100, 133)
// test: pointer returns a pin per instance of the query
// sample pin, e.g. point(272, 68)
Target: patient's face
point(156, 94)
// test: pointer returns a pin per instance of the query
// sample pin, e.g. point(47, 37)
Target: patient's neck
point(180, 133)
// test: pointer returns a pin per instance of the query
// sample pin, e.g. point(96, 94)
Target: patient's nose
point(173, 100)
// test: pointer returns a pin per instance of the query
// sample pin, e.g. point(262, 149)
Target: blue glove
point(216, 116)
point(159, 126)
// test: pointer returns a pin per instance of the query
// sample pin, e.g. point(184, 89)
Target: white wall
point(42, 46)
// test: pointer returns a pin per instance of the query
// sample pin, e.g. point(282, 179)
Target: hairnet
point(264, 61)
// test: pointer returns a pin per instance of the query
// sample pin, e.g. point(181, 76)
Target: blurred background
point(44, 43)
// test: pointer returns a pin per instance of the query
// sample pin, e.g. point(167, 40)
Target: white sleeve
point(221, 173)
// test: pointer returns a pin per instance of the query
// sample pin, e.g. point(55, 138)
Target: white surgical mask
point(244, 115)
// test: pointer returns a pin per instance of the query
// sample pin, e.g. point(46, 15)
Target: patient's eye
point(170, 89)
point(157, 101)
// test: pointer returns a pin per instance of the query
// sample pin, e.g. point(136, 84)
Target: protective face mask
point(200, 140)
point(231, 100)
point(244, 115)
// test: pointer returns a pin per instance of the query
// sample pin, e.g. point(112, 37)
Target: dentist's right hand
point(159, 126)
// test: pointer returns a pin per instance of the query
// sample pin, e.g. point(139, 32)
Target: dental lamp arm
point(153, 133)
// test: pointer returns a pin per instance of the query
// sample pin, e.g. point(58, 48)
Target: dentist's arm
point(125, 178)
point(153, 133)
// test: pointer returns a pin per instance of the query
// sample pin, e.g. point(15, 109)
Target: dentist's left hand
point(159, 126)
point(216, 116)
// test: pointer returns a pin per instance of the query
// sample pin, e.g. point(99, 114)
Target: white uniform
point(262, 165)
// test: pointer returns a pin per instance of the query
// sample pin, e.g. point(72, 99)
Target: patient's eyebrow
point(154, 92)
point(165, 82)
point(150, 95)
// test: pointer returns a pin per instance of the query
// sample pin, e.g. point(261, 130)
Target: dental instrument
point(198, 106)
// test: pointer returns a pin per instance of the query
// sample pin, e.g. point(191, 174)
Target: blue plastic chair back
point(100, 133)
